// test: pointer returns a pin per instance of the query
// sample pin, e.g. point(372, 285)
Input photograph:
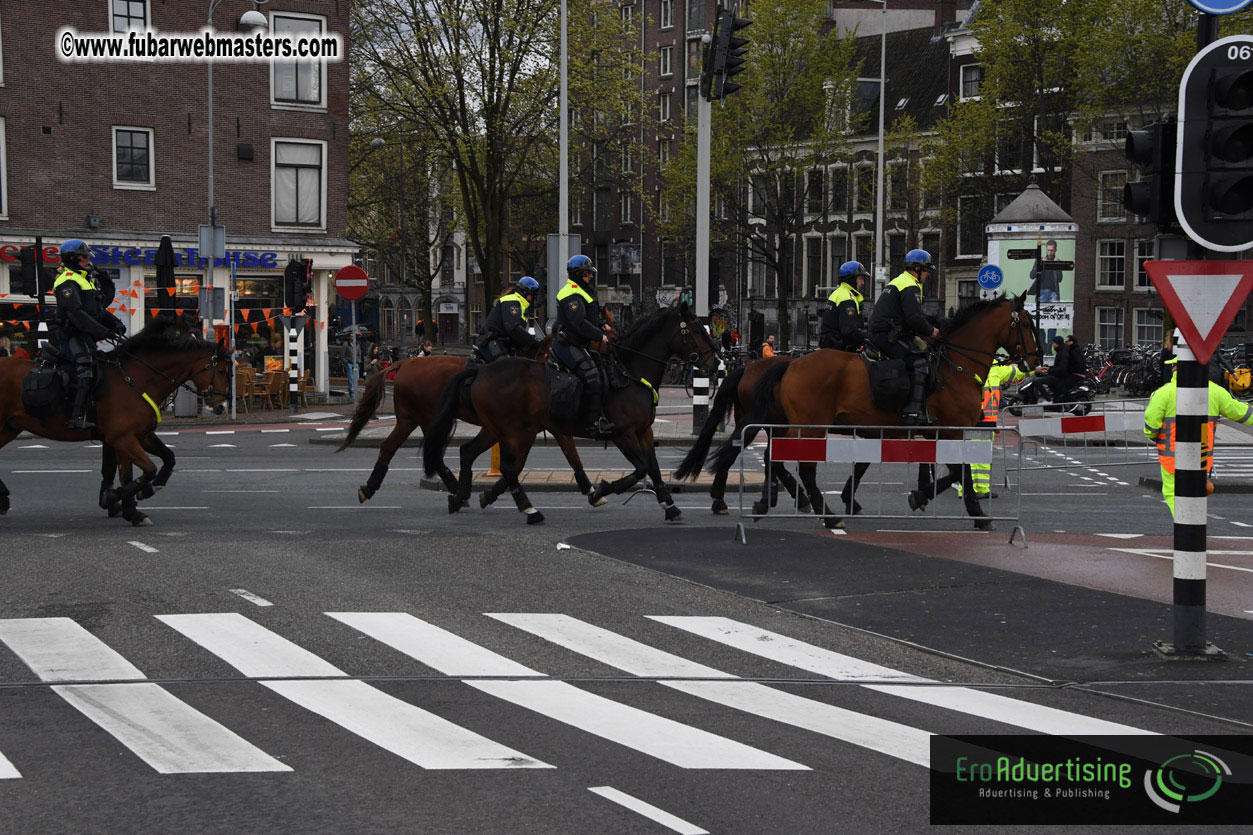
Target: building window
point(1111, 264)
point(663, 152)
point(576, 213)
point(839, 189)
point(1149, 326)
point(813, 192)
point(865, 188)
point(626, 204)
point(627, 13)
point(667, 14)
point(628, 164)
point(898, 186)
point(1144, 252)
point(299, 183)
point(129, 14)
point(813, 264)
point(663, 107)
point(602, 204)
point(297, 82)
point(970, 223)
point(4, 171)
point(132, 158)
point(1109, 327)
point(667, 62)
point(693, 59)
point(1009, 147)
point(967, 292)
point(1109, 200)
point(972, 79)
point(695, 15)
point(837, 245)
point(863, 248)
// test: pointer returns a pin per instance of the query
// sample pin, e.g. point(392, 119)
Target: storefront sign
point(130, 256)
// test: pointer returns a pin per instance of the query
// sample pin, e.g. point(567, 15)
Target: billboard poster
point(1054, 290)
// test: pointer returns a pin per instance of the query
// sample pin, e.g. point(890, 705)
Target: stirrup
point(80, 422)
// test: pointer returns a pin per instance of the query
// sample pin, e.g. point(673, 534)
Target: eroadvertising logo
point(1032, 779)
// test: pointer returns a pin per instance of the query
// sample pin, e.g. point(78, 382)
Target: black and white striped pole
point(1191, 417)
point(295, 324)
point(700, 398)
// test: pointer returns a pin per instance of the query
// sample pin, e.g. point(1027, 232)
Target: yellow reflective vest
point(1159, 421)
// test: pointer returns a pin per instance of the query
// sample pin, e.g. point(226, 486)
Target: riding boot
point(78, 406)
point(596, 426)
point(915, 410)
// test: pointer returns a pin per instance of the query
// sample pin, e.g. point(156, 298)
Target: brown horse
point(510, 398)
point(418, 383)
point(832, 388)
point(736, 395)
point(143, 372)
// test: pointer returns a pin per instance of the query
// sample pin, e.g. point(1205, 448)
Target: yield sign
point(1203, 297)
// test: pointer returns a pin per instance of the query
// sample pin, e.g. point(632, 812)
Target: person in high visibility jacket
point(578, 334)
point(82, 319)
point(898, 320)
point(843, 326)
point(1159, 427)
point(504, 333)
point(1001, 374)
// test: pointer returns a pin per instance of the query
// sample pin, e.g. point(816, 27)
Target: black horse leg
point(156, 446)
point(387, 450)
point(926, 488)
point(571, 452)
point(784, 477)
point(129, 504)
point(664, 498)
point(809, 478)
point(511, 463)
point(6, 435)
point(769, 490)
point(491, 494)
point(108, 472)
point(469, 451)
point(849, 494)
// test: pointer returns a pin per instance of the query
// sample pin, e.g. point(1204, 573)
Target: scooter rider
point(898, 327)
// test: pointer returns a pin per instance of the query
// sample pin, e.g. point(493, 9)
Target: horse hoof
point(139, 520)
point(760, 508)
point(107, 498)
point(833, 524)
point(985, 525)
point(485, 500)
point(916, 502)
point(145, 492)
point(673, 513)
point(455, 504)
point(595, 501)
point(115, 510)
point(534, 517)
point(855, 509)
point(364, 494)
point(719, 507)
point(4, 507)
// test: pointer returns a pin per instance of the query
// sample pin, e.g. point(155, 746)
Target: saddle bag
point(889, 383)
point(565, 396)
point(43, 391)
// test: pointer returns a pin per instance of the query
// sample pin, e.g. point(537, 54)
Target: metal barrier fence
point(1111, 435)
point(892, 487)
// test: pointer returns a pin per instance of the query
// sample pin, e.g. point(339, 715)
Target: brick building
point(116, 154)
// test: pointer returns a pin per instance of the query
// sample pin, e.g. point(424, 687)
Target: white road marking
point(1241, 524)
point(665, 739)
point(219, 431)
point(168, 734)
point(267, 431)
point(251, 598)
point(1169, 555)
point(661, 816)
point(992, 706)
point(328, 429)
point(34, 446)
point(240, 491)
point(295, 533)
point(272, 446)
point(896, 740)
point(404, 729)
point(147, 549)
point(356, 507)
point(7, 770)
point(50, 472)
point(175, 507)
point(1121, 535)
point(265, 470)
point(167, 434)
point(222, 446)
point(52, 535)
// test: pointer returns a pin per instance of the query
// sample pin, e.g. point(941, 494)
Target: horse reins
point(203, 394)
point(1018, 327)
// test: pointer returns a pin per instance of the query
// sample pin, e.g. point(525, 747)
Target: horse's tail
point(371, 399)
point(435, 440)
point(722, 404)
point(764, 404)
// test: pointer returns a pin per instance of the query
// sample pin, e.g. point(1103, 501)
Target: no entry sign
point(351, 283)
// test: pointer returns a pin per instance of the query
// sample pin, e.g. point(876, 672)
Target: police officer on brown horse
point(504, 333)
point(578, 315)
point(81, 320)
point(897, 323)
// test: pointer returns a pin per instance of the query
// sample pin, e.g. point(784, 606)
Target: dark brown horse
point(142, 373)
point(832, 388)
point(418, 384)
point(736, 395)
point(510, 398)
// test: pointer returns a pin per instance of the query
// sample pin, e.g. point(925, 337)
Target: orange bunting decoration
point(265, 312)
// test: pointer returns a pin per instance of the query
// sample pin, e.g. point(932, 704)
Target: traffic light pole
point(704, 115)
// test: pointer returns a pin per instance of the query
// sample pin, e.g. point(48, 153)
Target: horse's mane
point(165, 336)
point(645, 329)
point(964, 316)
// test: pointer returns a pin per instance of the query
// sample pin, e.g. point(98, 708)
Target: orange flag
point(265, 312)
point(245, 312)
point(170, 291)
point(254, 327)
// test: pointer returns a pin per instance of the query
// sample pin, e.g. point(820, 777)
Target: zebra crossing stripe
point(896, 740)
point(405, 730)
point(7, 771)
point(656, 736)
point(168, 734)
point(997, 708)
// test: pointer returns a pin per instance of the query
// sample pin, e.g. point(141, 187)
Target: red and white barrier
point(876, 451)
point(1062, 425)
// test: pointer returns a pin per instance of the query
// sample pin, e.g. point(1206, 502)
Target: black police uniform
point(577, 327)
point(896, 321)
point(504, 332)
point(843, 326)
point(81, 320)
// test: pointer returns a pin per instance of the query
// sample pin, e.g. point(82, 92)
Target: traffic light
point(729, 50)
point(1214, 192)
point(1153, 150)
point(29, 281)
point(707, 49)
point(296, 289)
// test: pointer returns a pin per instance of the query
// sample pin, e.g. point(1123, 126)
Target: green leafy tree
point(793, 115)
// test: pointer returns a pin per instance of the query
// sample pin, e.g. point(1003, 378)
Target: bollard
point(293, 367)
point(495, 470)
point(700, 399)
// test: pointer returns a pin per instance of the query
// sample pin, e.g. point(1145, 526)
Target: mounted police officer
point(504, 333)
point(578, 329)
point(82, 320)
point(897, 325)
point(843, 326)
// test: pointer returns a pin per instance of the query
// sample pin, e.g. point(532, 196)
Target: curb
point(1220, 486)
point(365, 441)
point(483, 482)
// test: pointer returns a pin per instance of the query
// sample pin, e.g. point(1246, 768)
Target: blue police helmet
point(919, 258)
point(74, 246)
point(850, 270)
point(527, 283)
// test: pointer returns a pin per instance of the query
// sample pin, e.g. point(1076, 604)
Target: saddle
point(890, 381)
point(47, 388)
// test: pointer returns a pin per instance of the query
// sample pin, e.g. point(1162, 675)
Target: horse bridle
point(1020, 356)
point(688, 338)
point(204, 394)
